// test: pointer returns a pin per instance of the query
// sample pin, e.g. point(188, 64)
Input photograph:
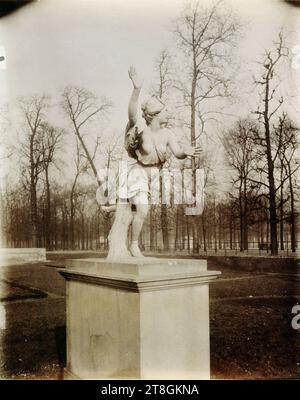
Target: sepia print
point(149, 189)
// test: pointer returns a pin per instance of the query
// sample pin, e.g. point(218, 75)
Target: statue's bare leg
point(119, 233)
point(139, 216)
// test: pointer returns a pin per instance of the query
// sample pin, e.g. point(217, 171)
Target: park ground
point(250, 320)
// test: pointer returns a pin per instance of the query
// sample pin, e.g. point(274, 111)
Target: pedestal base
point(145, 318)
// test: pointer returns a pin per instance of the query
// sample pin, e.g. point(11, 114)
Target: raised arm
point(133, 102)
point(180, 151)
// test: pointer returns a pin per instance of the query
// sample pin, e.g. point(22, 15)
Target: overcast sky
point(91, 43)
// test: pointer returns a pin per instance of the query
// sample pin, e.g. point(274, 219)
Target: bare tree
point(5, 153)
point(50, 143)
point(268, 83)
point(33, 114)
point(164, 76)
point(161, 89)
point(240, 156)
point(81, 166)
point(81, 107)
point(5, 150)
point(206, 38)
point(287, 143)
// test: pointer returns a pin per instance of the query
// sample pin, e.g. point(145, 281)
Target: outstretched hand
point(135, 79)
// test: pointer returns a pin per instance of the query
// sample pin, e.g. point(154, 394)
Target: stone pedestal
point(145, 318)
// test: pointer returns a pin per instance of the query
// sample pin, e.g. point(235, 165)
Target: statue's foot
point(135, 250)
point(117, 251)
point(119, 255)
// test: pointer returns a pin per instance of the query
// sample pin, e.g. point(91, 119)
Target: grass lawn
point(250, 323)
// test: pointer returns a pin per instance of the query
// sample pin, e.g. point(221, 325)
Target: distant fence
point(227, 248)
point(211, 247)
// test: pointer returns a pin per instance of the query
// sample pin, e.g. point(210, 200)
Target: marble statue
point(146, 149)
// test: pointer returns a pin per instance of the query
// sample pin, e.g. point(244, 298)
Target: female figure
point(146, 149)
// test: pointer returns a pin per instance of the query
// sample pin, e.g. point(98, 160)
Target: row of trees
point(219, 227)
point(263, 155)
point(260, 152)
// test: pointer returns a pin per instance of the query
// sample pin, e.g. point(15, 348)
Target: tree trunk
point(152, 237)
point(48, 212)
point(268, 234)
point(195, 231)
point(33, 209)
point(293, 215)
point(72, 225)
point(272, 192)
point(55, 228)
point(164, 226)
point(177, 229)
point(163, 217)
point(73, 212)
point(204, 230)
point(245, 216)
point(281, 226)
point(220, 228)
point(230, 229)
point(188, 234)
point(193, 143)
point(241, 221)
